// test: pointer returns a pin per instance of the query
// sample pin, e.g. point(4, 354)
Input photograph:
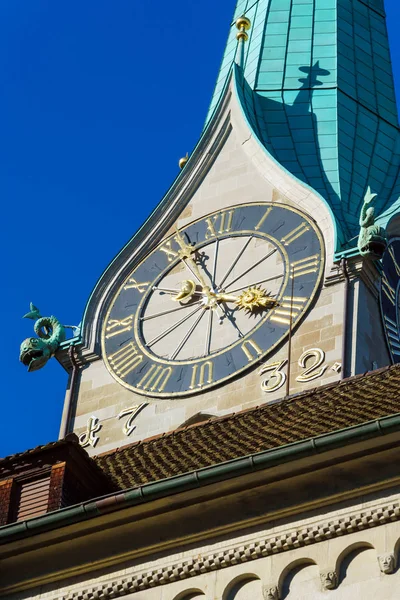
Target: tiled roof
point(325, 409)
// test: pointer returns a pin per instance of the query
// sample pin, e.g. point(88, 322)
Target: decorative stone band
point(199, 565)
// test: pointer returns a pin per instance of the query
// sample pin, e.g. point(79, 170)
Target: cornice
point(358, 268)
point(321, 531)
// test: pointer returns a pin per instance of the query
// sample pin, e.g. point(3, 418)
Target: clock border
point(207, 387)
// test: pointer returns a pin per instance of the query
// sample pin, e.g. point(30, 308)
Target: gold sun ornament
point(254, 299)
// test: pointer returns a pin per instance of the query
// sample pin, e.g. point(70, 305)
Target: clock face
point(390, 298)
point(213, 299)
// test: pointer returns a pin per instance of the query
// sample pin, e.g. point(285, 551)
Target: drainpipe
point(345, 272)
point(71, 393)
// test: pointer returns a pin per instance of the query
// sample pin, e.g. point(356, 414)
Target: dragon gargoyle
point(35, 352)
point(372, 240)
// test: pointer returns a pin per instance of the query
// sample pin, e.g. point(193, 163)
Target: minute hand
point(185, 253)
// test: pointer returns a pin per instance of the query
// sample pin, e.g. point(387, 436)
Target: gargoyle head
point(374, 247)
point(34, 353)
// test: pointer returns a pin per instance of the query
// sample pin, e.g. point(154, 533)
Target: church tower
point(231, 427)
point(250, 281)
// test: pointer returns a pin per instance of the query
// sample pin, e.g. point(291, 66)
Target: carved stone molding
point(265, 547)
point(387, 563)
point(329, 580)
point(358, 269)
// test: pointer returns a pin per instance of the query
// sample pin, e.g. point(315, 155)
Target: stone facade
point(349, 552)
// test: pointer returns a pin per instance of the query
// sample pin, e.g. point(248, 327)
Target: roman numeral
point(388, 290)
point(295, 234)
point(134, 285)
point(288, 307)
point(249, 347)
point(156, 378)
point(298, 268)
point(220, 223)
point(393, 335)
point(393, 256)
point(116, 327)
point(261, 221)
point(167, 249)
point(199, 375)
point(125, 360)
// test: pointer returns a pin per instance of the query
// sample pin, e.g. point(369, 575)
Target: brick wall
point(56, 486)
point(5, 500)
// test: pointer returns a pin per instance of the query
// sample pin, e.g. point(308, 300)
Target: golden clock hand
point(226, 297)
point(187, 291)
point(185, 254)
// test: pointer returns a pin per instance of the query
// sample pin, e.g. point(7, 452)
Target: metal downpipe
point(343, 264)
point(71, 394)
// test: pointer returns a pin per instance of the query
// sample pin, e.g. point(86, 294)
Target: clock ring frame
point(207, 386)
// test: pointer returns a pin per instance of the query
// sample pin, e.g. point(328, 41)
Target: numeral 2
point(313, 371)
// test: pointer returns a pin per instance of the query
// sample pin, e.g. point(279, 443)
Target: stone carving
point(325, 530)
point(270, 593)
point(387, 563)
point(35, 352)
point(372, 240)
point(329, 580)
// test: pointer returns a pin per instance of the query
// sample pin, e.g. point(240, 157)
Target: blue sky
point(98, 102)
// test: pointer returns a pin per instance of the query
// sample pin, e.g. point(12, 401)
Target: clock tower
point(231, 427)
point(258, 274)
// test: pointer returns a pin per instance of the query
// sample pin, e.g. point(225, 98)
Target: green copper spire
point(317, 89)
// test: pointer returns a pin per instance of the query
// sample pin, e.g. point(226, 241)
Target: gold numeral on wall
point(314, 370)
point(156, 378)
point(220, 223)
point(295, 234)
point(131, 412)
point(276, 377)
point(388, 290)
point(288, 307)
point(199, 375)
point(134, 285)
point(304, 266)
point(125, 360)
point(263, 218)
point(251, 350)
point(116, 327)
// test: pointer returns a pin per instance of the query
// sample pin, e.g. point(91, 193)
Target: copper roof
point(322, 410)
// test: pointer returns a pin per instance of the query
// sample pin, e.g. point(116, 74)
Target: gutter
point(199, 478)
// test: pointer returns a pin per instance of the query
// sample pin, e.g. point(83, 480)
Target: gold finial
point(243, 24)
point(183, 161)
